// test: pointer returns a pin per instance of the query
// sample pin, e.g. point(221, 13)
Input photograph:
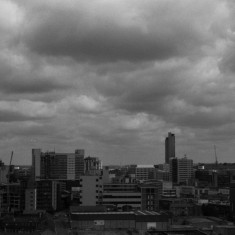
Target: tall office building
point(57, 166)
point(181, 170)
point(169, 147)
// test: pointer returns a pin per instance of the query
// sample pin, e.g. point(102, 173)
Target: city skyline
point(114, 77)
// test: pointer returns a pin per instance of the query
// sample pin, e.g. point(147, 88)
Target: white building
point(144, 172)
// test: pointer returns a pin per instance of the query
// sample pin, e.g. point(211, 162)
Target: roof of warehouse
point(146, 213)
point(101, 213)
point(139, 212)
point(138, 216)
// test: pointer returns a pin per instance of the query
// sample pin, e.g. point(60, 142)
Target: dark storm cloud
point(27, 129)
point(95, 32)
point(100, 45)
point(181, 93)
point(228, 62)
point(33, 130)
point(18, 75)
point(7, 116)
point(142, 86)
point(30, 86)
point(202, 120)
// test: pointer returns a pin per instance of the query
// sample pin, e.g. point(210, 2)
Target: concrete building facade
point(91, 190)
point(47, 195)
point(57, 166)
point(122, 196)
point(144, 172)
point(139, 220)
point(30, 200)
point(150, 195)
point(92, 166)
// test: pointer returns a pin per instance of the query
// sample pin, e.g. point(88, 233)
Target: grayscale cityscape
point(117, 117)
point(70, 193)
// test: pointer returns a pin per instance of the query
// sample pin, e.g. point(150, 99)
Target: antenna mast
point(216, 160)
point(8, 182)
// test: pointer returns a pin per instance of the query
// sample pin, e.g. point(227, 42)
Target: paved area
point(62, 225)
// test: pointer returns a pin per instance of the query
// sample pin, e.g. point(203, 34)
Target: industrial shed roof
point(139, 216)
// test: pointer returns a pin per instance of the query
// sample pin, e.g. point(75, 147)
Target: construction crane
point(216, 160)
point(8, 182)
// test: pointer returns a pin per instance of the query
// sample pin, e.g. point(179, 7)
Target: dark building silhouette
point(169, 147)
point(57, 166)
point(232, 195)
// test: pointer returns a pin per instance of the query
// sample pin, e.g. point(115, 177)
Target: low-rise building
point(180, 207)
point(122, 196)
point(30, 199)
point(48, 195)
point(169, 193)
point(144, 172)
point(162, 175)
point(140, 220)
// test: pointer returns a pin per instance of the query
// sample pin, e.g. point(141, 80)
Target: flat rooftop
point(139, 212)
point(145, 166)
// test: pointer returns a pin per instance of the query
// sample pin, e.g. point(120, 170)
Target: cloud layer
point(114, 77)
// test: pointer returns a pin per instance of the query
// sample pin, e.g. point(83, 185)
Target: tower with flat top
point(169, 147)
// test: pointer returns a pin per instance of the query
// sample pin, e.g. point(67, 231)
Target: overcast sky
point(114, 77)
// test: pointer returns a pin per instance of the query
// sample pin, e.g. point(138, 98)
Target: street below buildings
point(62, 225)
